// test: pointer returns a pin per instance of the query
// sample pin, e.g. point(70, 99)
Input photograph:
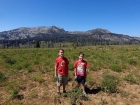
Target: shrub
point(14, 93)
point(18, 67)
point(13, 89)
point(47, 69)
point(37, 45)
point(115, 67)
point(130, 78)
point(37, 78)
point(93, 68)
point(3, 56)
point(75, 96)
point(7, 66)
point(26, 64)
point(12, 85)
point(46, 63)
point(36, 62)
point(30, 69)
point(132, 62)
point(2, 77)
point(109, 83)
point(124, 94)
point(10, 61)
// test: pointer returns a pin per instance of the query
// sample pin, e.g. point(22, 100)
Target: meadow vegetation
point(27, 76)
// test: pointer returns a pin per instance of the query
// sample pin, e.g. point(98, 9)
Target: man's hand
point(55, 76)
point(75, 77)
point(85, 77)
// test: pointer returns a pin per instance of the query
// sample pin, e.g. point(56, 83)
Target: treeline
point(61, 41)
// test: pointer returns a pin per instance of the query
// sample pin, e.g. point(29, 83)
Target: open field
point(27, 76)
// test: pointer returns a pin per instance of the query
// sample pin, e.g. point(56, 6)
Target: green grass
point(113, 57)
point(34, 63)
point(109, 83)
point(37, 77)
point(115, 67)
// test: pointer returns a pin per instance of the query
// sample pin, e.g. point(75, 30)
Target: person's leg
point(58, 89)
point(64, 88)
point(83, 85)
point(59, 83)
point(65, 82)
point(78, 80)
point(78, 84)
point(83, 88)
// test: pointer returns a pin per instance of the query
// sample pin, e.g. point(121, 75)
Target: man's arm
point(67, 73)
point(75, 73)
point(55, 72)
point(86, 73)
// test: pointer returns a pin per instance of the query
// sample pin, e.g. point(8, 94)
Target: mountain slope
point(54, 32)
point(23, 33)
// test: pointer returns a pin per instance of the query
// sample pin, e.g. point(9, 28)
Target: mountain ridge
point(52, 32)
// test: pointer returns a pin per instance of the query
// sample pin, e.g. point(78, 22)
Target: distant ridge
point(57, 32)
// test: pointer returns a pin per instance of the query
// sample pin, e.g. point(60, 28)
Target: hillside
point(54, 33)
point(27, 76)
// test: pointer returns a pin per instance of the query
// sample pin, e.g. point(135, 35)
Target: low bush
point(115, 67)
point(2, 77)
point(13, 89)
point(26, 64)
point(30, 69)
point(37, 77)
point(132, 62)
point(13, 93)
point(10, 61)
point(130, 78)
point(36, 62)
point(17, 67)
point(109, 83)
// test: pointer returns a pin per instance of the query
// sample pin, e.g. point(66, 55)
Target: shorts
point(80, 79)
point(62, 79)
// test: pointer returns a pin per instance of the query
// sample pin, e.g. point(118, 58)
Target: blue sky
point(117, 16)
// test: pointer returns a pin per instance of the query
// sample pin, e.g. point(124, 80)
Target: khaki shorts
point(62, 79)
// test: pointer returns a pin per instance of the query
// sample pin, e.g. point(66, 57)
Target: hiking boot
point(58, 93)
point(64, 91)
point(84, 93)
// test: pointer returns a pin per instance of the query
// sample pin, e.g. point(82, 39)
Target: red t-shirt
point(62, 65)
point(81, 67)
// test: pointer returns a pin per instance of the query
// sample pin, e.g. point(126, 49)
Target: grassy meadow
point(27, 76)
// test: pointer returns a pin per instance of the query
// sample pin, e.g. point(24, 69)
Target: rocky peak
point(54, 29)
point(98, 31)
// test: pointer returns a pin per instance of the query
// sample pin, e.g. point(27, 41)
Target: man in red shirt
point(61, 71)
point(81, 71)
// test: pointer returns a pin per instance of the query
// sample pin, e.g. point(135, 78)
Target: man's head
point(61, 52)
point(81, 56)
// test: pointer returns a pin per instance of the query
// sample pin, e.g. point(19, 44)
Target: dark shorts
point(80, 79)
